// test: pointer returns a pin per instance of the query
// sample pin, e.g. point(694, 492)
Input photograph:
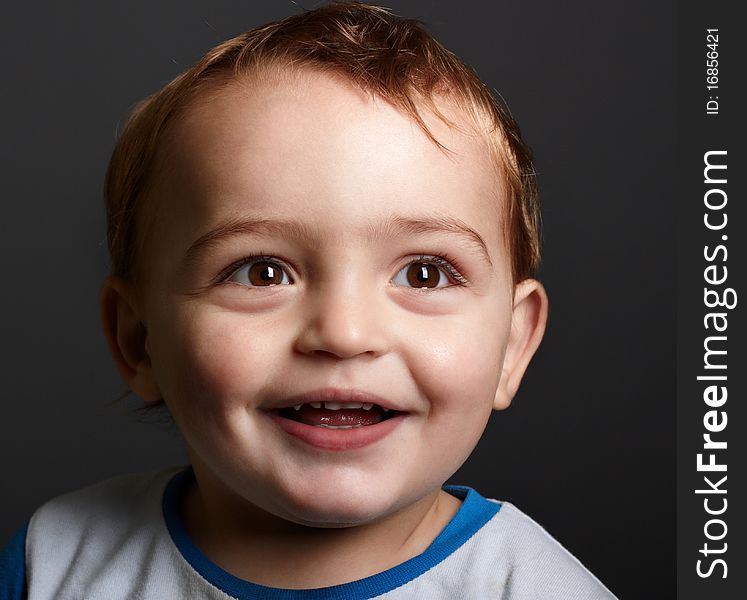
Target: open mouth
point(337, 415)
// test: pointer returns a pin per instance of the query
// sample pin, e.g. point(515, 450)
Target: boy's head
point(330, 209)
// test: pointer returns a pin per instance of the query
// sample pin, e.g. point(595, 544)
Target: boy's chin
point(337, 518)
point(338, 509)
point(332, 522)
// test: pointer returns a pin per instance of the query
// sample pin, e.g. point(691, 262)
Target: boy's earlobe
point(527, 328)
point(127, 338)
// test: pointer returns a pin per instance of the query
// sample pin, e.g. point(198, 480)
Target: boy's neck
point(256, 546)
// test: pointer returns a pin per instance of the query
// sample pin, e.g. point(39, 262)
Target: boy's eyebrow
point(431, 224)
point(297, 230)
point(248, 226)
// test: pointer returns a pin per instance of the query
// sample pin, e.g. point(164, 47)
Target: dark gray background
point(587, 448)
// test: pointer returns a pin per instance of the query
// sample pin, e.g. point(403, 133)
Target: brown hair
point(383, 54)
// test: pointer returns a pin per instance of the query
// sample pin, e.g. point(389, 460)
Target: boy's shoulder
point(107, 540)
point(102, 512)
point(530, 563)
point(109, 495)
point(510, 556)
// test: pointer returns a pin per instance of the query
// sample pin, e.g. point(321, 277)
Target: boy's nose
point(342, 322)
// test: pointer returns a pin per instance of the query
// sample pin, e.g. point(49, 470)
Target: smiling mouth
point(337, 415)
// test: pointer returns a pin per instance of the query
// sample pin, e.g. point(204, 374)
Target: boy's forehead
point(312, 145)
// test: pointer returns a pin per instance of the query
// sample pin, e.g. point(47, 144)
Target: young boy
point(322, 238)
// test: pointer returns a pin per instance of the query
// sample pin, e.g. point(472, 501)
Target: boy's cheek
point(208, 359)
point(468, 353)
point(459, 383)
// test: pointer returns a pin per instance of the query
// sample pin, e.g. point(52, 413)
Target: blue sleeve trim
point(472, 515)
point(13, 567)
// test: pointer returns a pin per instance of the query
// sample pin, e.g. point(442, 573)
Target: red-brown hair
point(383, 54)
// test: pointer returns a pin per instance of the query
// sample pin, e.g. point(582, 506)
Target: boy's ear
point(527, 328)
point(127, 337)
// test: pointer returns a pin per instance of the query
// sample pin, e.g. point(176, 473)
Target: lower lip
point(338, 439)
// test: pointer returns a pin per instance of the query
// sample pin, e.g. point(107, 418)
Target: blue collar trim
point(471, 516)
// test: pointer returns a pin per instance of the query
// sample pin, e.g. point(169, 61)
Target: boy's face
point(347, 202)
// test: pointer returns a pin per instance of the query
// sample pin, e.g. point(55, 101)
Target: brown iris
point(423, 275)
point(265, 273)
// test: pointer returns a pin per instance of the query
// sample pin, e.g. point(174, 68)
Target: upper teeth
point(338, 405)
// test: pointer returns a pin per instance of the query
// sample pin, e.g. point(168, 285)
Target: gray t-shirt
point(124, 538)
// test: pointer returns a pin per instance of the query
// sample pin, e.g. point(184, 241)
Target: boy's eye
point(421, 275)
point(260, 273)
